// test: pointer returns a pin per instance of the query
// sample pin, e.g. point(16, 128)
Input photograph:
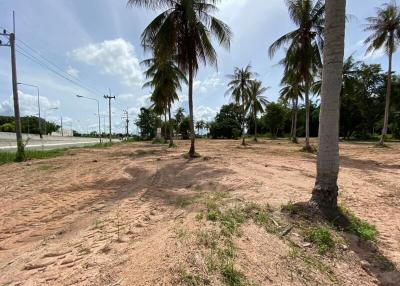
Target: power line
point(39, 62)
point(53, 64)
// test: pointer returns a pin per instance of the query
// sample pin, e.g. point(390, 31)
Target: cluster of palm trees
point(180, 40)
point(201, 125)
point(304, 51)
point(247, 92)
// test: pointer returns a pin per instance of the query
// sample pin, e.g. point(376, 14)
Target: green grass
point(159, 141)
point(322, 238)
point(9, 157)
point(190, 279)
point(361, 228)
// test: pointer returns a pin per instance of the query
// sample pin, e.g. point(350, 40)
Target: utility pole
point(109, 97)
point(20, 145)
point(62, 130)
point(127, 123)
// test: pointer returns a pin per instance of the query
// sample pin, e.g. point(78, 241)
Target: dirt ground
point(123, 215)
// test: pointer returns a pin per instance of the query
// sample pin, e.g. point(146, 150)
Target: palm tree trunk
point(307, 146)
point(165, 125)
point(171, 131)
point(192, 150)
point(243, 118)
point(292, 124)
point(296, 110)
point(255, 125)
point(387, 104)
point(325, 192)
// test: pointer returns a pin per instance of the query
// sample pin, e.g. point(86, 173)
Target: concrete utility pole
point(20, 145)
point(127, 123)
point(109, 97)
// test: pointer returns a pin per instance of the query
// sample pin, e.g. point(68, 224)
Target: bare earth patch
point(141, 214)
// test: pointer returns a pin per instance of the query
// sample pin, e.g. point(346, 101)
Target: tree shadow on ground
point(372, 260)
point(166, 181)
point(362, 164)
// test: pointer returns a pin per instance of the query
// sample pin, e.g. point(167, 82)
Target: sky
point(93, 46)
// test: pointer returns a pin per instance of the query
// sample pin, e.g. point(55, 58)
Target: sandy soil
point(116, 216)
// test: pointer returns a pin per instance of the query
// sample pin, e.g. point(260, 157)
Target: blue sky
point(97, 43)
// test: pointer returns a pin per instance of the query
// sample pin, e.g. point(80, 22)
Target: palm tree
point(305, 46)
point(165, 79)
point(184, 30)
point(237, 89)
point(257, 102)
point(199, 125)
point(292, 90)
point(385, 28)
point(325, 192)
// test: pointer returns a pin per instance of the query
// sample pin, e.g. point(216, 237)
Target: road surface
point(8, 142)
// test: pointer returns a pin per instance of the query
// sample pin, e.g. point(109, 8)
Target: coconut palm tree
point(257, 102)
point(292, 90)
point(184, 30)
point(304, 46)
point(165, 80)
point(325, 192)
point(385, 28)
point(238, 87)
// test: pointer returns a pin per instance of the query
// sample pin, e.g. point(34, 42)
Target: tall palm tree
point(292, 90)
point(184, 30)
point(257, 102)
point(325, 192)
point(304, 45)
point(385, 28)
point(238, 90)
point(165, 80)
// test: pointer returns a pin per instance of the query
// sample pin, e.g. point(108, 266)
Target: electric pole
point(20, 145)
point(127, 123)
point(109, 97)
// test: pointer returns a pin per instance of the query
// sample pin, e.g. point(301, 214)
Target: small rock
point(94, 161)
point(365, 265)
point(345, 247)
point(306, 244)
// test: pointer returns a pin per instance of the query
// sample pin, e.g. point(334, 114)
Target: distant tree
point(274, 118)
point(385, 28)
point(238, 88)
point(257, 101)
point(147, 122)
point(227, 123)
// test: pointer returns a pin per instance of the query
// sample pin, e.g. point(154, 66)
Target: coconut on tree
point(304, 46)
point(385, 29)
point(238, 87)
point(184, 31)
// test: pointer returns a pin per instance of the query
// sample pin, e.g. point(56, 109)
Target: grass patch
point(184, 202)
point(322, 238)
point(361, 228)
point(9, 157)
point(159, 141)
point(289, 208)
point(190, 279)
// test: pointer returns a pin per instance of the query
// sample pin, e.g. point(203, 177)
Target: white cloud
point(212, 82)
point(28, 105)
point(204, 113)
point(116, 57)
point(73, 72)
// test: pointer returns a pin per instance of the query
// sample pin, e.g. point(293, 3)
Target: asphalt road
point(8, 142)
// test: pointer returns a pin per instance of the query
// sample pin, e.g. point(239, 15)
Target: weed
point(322, 238)
point(159, 141)
point(190, 279)
point(184, 202)
point(361, 228)
point(290, 208)
point(232, 277)
point(208, 239)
